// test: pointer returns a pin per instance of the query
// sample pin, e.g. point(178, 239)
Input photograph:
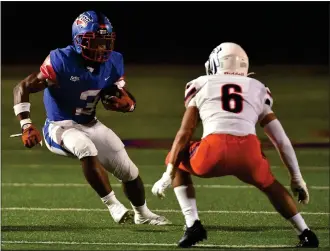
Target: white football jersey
point(229, 104)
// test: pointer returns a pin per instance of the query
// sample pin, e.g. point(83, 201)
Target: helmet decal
point(83, 20)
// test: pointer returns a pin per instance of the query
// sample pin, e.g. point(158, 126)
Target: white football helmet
point(227, 58)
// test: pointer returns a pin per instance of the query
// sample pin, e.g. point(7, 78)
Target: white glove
point(298, 187)
point(161, 185)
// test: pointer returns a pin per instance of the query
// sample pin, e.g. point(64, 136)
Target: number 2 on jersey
point(232, 100)
point(90, 106)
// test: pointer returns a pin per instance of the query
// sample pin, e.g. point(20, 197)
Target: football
point(107, 93)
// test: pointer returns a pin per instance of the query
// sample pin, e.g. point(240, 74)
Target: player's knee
point(79, 144)
point(123, 167)
point(264, 182)
point(85, 148)
point(131, 173)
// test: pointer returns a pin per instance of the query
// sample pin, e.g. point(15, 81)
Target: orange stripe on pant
point(222, 154)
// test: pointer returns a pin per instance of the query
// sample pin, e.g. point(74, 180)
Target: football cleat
point(308, 240)
point(192, 235)
point(151, 219)
point(126, 218)
point(120, 213)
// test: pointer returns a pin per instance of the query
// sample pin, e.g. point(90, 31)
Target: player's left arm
point(121, 84)
point(276, 133)
point(126, 102)
point(128, 97)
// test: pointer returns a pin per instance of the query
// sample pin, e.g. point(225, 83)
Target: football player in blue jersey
point(73, 79)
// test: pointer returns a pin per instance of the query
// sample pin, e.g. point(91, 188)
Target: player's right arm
point(275, 132)
point(33, 83)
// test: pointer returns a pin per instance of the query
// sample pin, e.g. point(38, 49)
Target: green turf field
point(47, 204)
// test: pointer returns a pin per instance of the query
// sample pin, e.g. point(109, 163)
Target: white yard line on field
point(155, 210)
point(138, 244)
point(313, 168)
point(146, 185)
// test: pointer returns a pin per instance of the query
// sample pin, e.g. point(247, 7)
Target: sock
point(188, 205)
point(141, 210)
point(298, 223)
point(110, 199)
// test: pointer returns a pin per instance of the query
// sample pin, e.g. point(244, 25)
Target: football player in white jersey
point(230, 104)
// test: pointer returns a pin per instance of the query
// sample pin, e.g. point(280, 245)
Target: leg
point(134, 191)
point(261, 177)
point(70, 141)
point(81, 146)
point(278, 195)
point(200, 159)
point(281, 200)
point(125, 170)
point(115, 159)
point(247, 162)
point(96, 176)
point(185, 194)
point(285, 205)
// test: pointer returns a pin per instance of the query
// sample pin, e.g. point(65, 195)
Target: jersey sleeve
point(119, 66)
point(47, 70)
point(192, 88)
point(268, 104)
point(190, 92)
point(268, 98)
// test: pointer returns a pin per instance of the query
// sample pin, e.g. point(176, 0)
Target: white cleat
point(151, 219)
point(120, 213)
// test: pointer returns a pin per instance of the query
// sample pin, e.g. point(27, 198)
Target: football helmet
point(227, 58)
point(93, 36)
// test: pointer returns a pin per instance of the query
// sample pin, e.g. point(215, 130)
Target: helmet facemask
point(96, 47)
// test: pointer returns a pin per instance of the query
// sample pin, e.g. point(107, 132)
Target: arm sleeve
point(277, 135)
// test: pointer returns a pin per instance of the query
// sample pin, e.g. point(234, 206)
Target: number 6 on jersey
point(232, 100)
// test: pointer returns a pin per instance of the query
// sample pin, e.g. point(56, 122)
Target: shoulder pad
point(193, 87)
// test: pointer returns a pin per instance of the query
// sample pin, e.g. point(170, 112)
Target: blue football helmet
point(93, 36)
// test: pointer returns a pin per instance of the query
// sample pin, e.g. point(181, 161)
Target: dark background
point(174, 32)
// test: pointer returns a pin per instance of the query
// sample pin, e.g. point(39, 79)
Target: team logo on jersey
point(74, 78)
point(83, 20)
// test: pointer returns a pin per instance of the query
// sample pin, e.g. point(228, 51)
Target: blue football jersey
point(79, 86)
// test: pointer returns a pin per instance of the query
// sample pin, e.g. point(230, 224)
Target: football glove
point(161, 185)
point(299, 188)
point(30, 136)
point(122, 104)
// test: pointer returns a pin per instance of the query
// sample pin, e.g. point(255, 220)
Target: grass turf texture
point(47, 204)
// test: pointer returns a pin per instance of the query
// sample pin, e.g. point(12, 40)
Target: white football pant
point(70, 139)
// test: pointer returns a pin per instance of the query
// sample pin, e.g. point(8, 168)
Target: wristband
point(25, 121)
point(22, 107)
point(169, 168)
